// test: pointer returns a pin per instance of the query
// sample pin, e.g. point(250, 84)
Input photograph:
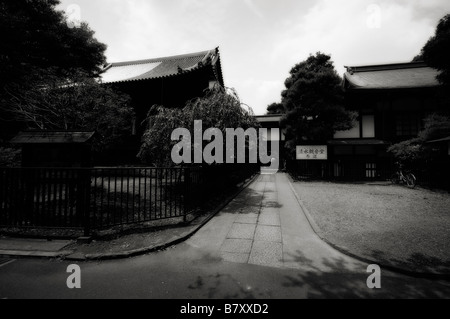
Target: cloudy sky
point(261, 40)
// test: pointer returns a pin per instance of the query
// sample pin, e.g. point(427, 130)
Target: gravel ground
point(390, 224)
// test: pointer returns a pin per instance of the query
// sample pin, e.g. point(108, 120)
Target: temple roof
point(52, 137)
point(391, 76)
point(163, 67)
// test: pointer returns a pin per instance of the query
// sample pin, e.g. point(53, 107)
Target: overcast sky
point(261, 40)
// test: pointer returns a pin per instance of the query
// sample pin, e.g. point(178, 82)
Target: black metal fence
point(435, 174)
point(347, 170)
point(99, 198)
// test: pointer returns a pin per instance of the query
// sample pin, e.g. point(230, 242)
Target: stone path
point(265, 225)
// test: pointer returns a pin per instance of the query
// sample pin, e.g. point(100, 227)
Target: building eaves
point(163, 67)
point(394, 76)
point(52, 137)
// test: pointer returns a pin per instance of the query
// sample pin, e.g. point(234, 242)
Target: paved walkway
point(265, 225)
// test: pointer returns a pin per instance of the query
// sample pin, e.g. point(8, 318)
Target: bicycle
point(408, 178)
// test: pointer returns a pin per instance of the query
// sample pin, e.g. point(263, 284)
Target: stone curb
point(35, 254)
point(318, 231)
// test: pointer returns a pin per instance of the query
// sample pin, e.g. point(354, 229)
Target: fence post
point(187, 180)
point(86, 195)
point(28, 186)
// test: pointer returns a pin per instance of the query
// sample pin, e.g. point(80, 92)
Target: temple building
point(167, 81)
point(392, 100)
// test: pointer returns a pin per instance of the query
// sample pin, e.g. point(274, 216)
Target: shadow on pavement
point(337, 279)
point(251, 200)
point(214, 287)
point(416, 262)
point(341, 282)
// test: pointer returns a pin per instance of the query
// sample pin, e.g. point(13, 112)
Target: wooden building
point(391, 100)
point(276, 133)
point(55, 148)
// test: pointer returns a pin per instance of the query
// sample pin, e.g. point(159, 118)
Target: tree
point(39, 49)
point(437, 50)
point(313, 100)
point(435, 53)
point(156, 144)
point(216, 109)
point(275, 108)
point(49, 70)
point(37, 37)
point(80, 103)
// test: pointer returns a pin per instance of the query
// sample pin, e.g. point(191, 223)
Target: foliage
point(418, 58)
point(156, 144)
point(36, 37)
point(48, 68)
point(435, 126)
point(415, 150)
point(9, 157)
point(275, 108)
point(410, 151)
point(313, 101)
point(80, 103)
point(216, 109)
point(437, 50)
point(435, 53)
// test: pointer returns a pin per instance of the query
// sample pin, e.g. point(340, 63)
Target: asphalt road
point(186, 272)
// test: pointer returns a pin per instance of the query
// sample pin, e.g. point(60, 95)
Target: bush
point(10, 157)
point(217, 109)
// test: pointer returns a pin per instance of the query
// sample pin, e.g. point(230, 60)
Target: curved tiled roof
point(162, 67)
point(52, 137)
point(391, 76)
point(356, 141)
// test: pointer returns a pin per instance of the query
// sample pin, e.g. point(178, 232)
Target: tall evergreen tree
point(313, 100)
point(36, 37)
point(48, 71)
point(436, 51)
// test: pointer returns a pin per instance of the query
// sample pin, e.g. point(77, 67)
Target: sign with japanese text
point(312, 152)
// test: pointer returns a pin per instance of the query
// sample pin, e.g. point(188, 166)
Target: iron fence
point(94, 197)
point(99, 198)
point(435, 174)
point(342, 169)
